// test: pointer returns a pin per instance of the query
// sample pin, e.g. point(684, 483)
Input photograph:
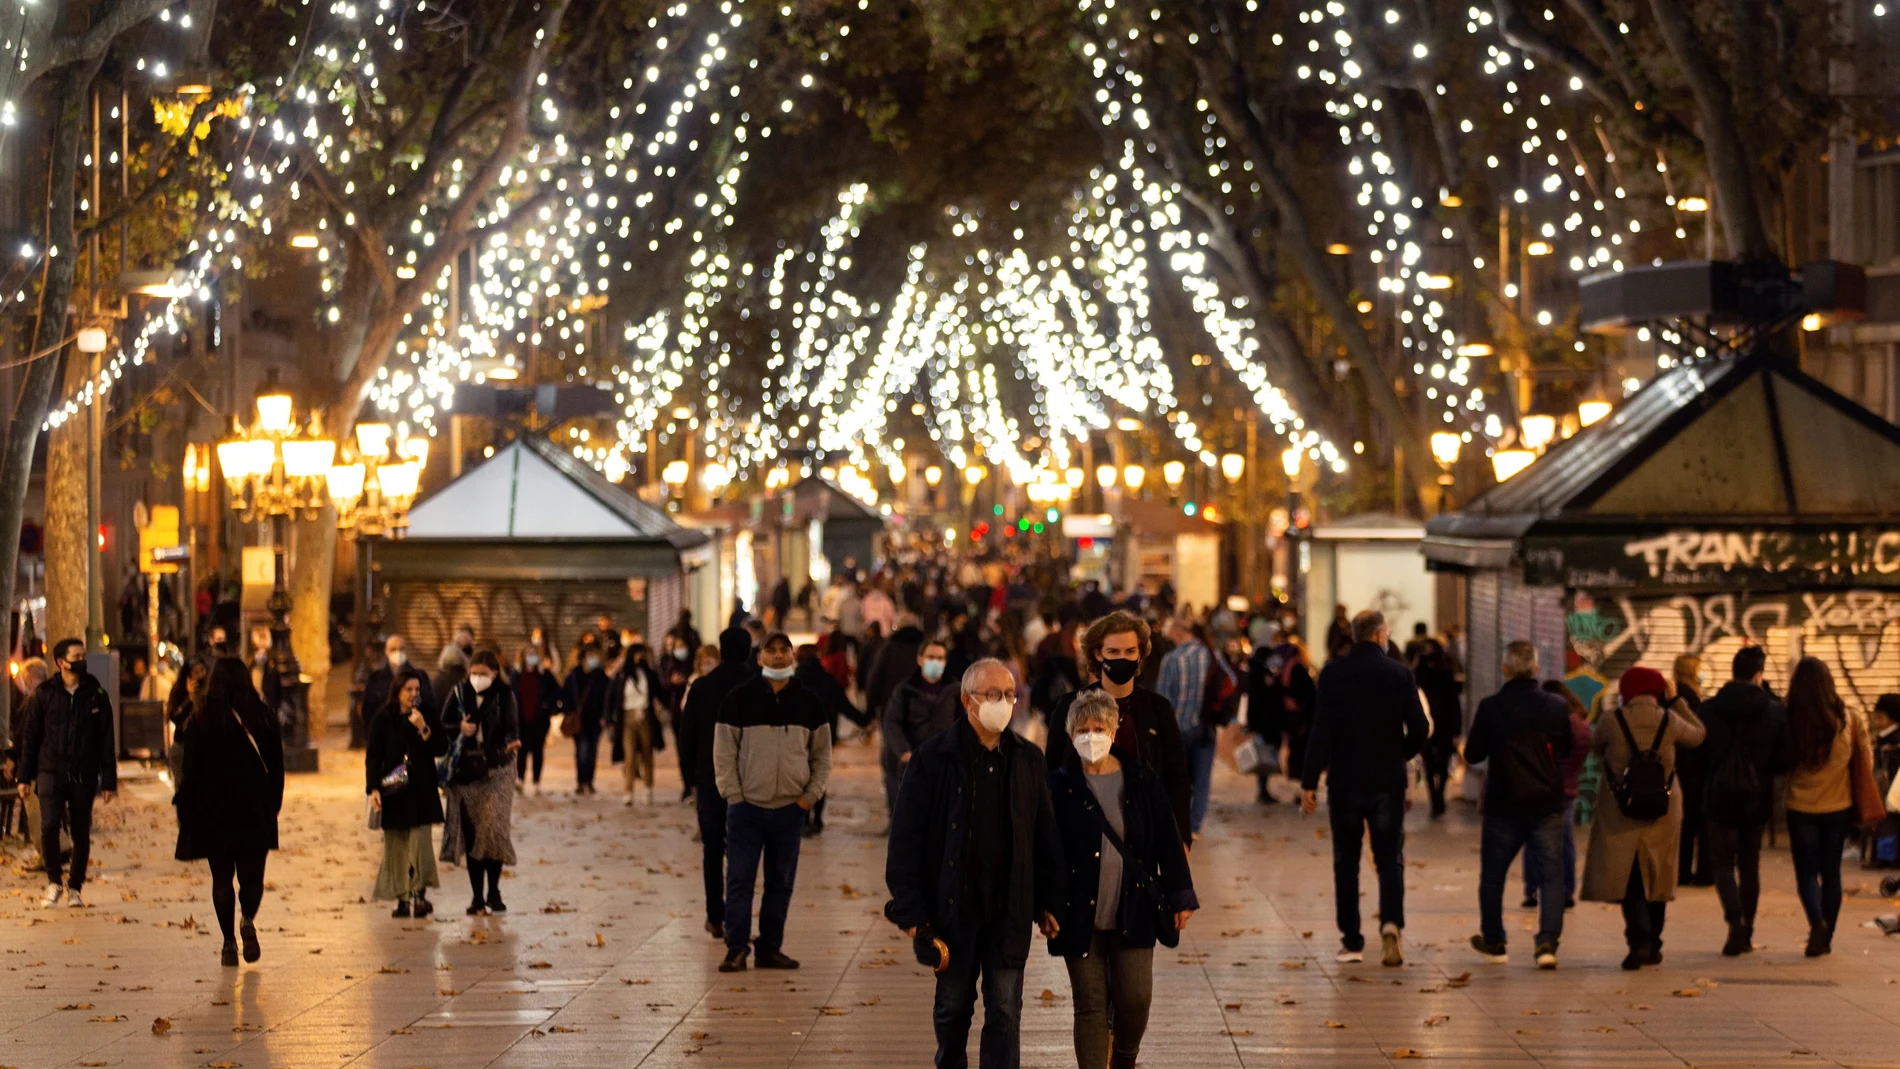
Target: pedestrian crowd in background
point(1047, 752)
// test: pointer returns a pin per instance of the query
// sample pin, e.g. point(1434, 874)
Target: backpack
point(1642, 791)
point(1527, 780)
point(1220, 695)
point(1735, 785)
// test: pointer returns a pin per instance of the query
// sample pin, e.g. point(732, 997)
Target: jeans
point(248, 869)
point(73, 803)
point(751, 831)
point(1533, 873)
point(1735, 851)
point(1540, 837)
point(1437, 756)
point(1110, 975)
point(1354, 815)
point(1816, 841)
point(971, 962)
point(586, 753)
point(1200, 759)
point(1642, 919)
point(712, 844)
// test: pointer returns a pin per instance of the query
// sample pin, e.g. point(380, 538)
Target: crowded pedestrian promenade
point(1089, 838)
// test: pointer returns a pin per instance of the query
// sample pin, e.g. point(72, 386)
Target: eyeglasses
point(992, 695)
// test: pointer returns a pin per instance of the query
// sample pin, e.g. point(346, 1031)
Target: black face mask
point(1119, 670)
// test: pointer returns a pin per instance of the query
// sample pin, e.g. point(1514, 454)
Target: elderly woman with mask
point(1129, 882)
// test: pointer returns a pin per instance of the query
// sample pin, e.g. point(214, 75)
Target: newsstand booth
point(535, 537)
point(1731, 501)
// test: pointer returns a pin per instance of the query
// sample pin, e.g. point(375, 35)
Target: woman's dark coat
point(494, 709)
point(1147, 829)
point(229, 790)
point(393, 740)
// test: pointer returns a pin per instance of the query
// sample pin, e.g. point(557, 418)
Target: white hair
point(1096, 706)
point(987, 663)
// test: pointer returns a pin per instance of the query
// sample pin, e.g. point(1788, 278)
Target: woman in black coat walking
point(231, 786)
point(481, 716)
point(1108, 936)
point(400, 779)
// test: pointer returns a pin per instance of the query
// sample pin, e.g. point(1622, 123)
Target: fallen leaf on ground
point(1335, 1024)
point(1406, 1052)
point(161, 1025)
point(1437, 1019)
point(1689, 992)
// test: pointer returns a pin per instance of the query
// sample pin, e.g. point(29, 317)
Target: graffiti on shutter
point(1855, 632)
point(503, 613)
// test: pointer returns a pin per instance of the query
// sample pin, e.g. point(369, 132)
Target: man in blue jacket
point(974, 860)
point(1367, 724)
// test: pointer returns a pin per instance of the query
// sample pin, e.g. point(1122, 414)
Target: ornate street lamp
point(1445, 448)
point(277, 470)
point(372, 492)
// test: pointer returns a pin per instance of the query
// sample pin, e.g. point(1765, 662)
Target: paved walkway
point(602, 961)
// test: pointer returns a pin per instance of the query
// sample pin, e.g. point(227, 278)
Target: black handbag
point(1165, 932)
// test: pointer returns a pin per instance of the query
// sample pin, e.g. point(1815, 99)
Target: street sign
point(160, 531)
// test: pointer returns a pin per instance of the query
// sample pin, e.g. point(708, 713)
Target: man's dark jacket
point(896, 660)
point(700, 715)
point(1157, 745)
point(1366, 725)
point(917, 713)
point(1743, 714)
point(1520, 707)
point(930, 826)
point(1149, 833)
point(69, 736)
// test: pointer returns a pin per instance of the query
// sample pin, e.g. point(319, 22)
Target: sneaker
point(629, 802)
point(717, 930)
point(229, 955)
point(1547, 956)
point(1530, 902)
point(1345, 956)
point(1494, 953)
point(775, 959)
point(1890, 886)
point(248, 932)
point(73, 901)
point(51, 897)
point(1389, 954)
point(735, 961)
point(495, 904)
point(1889, 923)
point(476, 907)
point(402, 908)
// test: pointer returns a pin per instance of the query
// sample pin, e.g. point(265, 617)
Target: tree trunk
point(68, 558)
point(36, 393)
point(313, 564)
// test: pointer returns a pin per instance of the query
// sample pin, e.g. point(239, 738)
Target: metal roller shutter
point(503, 613)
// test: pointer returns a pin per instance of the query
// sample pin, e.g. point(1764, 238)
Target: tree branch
point(92, 44)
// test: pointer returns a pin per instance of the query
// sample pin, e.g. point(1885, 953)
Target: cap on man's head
point(776, 638)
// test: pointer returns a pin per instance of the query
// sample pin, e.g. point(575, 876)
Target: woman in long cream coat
point(1634, 861)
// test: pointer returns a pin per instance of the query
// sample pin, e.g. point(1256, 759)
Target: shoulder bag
point(1869, 806)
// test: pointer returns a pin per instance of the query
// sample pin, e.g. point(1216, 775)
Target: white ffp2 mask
point(1093, 746)
point(994, 716)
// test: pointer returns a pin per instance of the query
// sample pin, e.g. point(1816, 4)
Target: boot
point(1740, 941)
point(1820, 941)
point(402, 908)
point(424, 907)
point(248, 930)
point(230, 954)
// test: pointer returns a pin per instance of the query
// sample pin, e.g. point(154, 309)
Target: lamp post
point(1445, 446)
point(277, 470)
point(372, 493)
point(1295, 574)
